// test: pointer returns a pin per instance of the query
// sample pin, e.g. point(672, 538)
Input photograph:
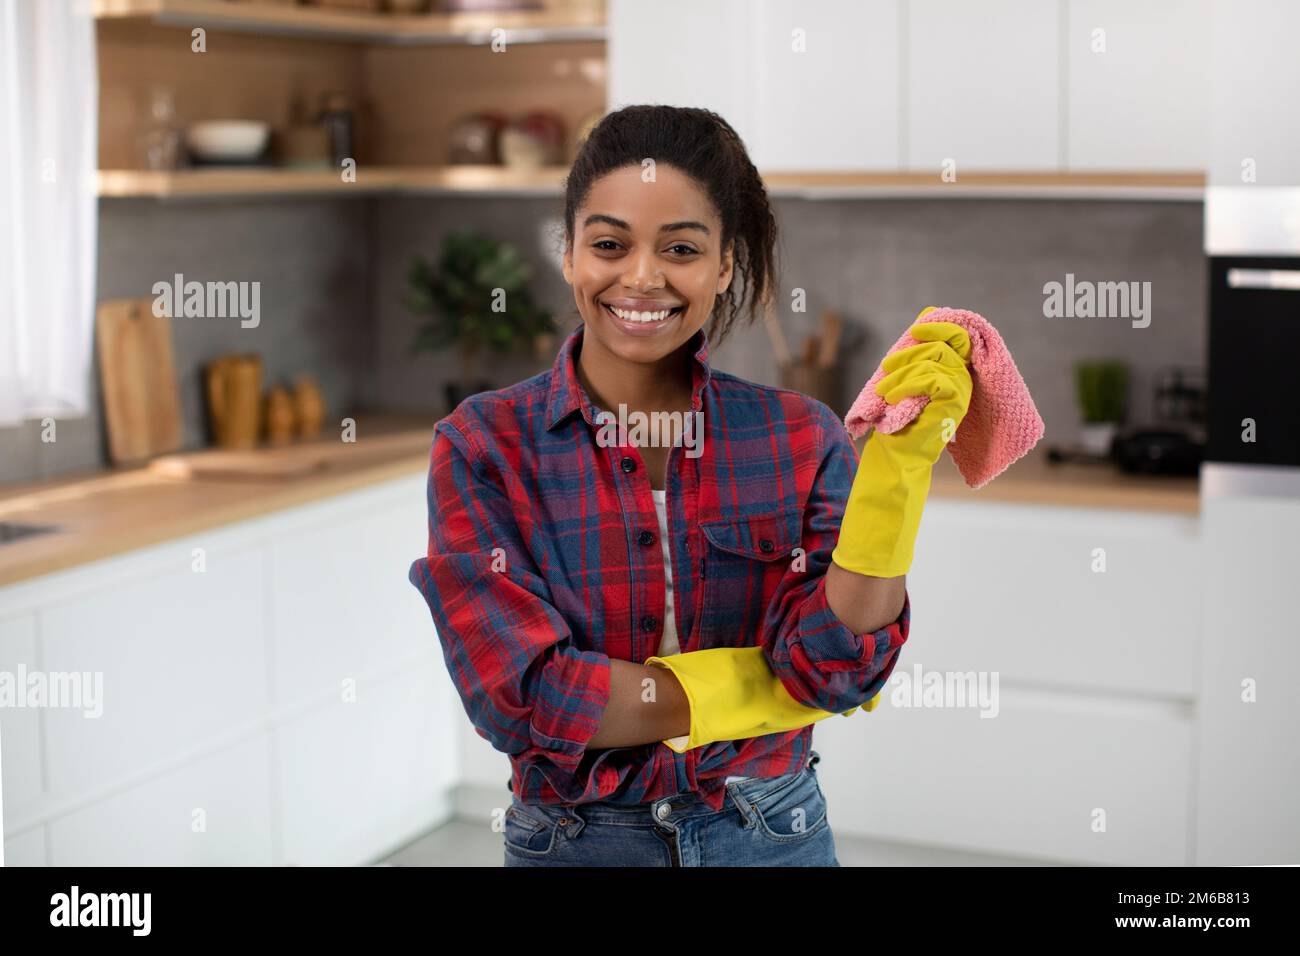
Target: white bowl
point(217, 141)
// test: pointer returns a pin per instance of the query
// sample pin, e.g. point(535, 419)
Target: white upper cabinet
point(682, 53)
point(826, 85)
point(983, 85)
point(808, 86)
point(1138, 80)
point(929, 85)
point(1255, 121)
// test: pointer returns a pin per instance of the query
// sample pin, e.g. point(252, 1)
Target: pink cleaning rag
point(1001, 425)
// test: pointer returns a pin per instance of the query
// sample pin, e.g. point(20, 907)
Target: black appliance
point(1254, 376)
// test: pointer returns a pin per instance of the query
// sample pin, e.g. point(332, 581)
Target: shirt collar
point(567, 393)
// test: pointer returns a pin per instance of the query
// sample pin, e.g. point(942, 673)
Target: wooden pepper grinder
point(279, 416)
point(310, 406)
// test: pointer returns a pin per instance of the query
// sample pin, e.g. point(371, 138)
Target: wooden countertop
point(1035, 480)
point(113, 512)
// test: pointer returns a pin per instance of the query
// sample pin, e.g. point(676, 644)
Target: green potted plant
point(476, 298)
point(1102, 389)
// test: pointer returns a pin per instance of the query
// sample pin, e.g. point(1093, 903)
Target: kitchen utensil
point(138, 380)
point(336, 116)
point(293, 461)
point(309, 406)
point(227, 141)
point(830, 338)
point(279, 415)
point(234, 390)
point(256, 465)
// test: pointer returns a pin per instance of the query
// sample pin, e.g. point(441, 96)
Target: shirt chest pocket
point(744, 560)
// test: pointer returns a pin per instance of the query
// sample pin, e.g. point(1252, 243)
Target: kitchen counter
point(116, 511)
point(1035, 480)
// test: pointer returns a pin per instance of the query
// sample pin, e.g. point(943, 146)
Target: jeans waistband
point(679, 806)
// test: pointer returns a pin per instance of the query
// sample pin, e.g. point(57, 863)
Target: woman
point(650, 630)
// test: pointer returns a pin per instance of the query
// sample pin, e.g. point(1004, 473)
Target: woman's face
point(646, 263)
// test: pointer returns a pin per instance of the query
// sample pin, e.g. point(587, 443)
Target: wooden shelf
point(235, 182)
point(497, 180)
point(357, 26)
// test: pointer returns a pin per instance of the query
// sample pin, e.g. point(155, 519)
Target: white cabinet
point(808, 86)
point(1254, 79)
point(1086, 755)
point(983, 85)
point(683, 53)
point(181, 655)
point(1082, 599)
point(214, 811)
point(1249, 762)
point(1049, 777)
point(20, 727)
point(287, 703)
point(826, 85)
point(1139, 84)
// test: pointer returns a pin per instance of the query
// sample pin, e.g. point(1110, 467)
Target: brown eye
point(684, 250)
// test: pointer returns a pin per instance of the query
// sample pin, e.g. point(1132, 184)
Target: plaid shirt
point(545, 563)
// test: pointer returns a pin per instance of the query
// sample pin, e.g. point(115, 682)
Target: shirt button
point(648, 622)
point(628, 465)
point(663, 811)
point(766, 546)
point(646, 537)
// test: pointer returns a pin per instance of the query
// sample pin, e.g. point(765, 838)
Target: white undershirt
point(668, 643)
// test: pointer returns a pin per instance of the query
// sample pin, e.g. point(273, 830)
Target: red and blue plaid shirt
point(545, 563)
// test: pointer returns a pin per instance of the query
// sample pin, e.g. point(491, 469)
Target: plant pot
point(1096, 438)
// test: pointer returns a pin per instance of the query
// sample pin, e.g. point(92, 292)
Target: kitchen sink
point(11, 531)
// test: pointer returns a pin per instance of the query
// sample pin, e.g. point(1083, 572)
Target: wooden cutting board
point(137, 374)
point(291, 461)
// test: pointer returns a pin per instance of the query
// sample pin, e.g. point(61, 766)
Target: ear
point(727, 270)
point(566, 264)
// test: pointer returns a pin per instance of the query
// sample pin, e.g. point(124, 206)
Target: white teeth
point(640, 316)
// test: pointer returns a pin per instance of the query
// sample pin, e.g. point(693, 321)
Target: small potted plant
point(1102, 388)
point(477, 299)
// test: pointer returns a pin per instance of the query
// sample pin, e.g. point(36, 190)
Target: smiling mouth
point(644, 318)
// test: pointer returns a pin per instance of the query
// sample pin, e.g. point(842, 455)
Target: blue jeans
point(765, 821)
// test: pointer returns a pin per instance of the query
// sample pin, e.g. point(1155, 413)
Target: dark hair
point(703, 145)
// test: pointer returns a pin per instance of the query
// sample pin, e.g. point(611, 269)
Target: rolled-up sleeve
point(821, 662)
point(527, 689)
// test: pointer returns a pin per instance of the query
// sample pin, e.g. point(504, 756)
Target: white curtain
point(48, 147)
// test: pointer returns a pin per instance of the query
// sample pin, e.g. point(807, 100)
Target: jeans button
point(663, 811)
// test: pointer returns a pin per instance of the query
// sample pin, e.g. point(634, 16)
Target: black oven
point(1254, 361)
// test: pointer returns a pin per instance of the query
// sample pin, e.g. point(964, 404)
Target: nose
point(642, 272)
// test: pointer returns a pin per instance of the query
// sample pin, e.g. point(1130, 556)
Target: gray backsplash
point(879, 263)
point(310, 257)
point(333, 274)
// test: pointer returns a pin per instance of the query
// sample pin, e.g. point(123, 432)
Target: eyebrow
point(666, 227)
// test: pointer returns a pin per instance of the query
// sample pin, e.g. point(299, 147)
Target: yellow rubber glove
point(734, 695)
point(883, 514)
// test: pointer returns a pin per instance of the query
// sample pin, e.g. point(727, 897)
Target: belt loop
point(745, 808)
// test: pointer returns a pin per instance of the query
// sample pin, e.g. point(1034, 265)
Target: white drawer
point(1011, 589)
point(152, 824)
point(342, 606)
point(358, 779)
point(181, 654)
point(1024, 783)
